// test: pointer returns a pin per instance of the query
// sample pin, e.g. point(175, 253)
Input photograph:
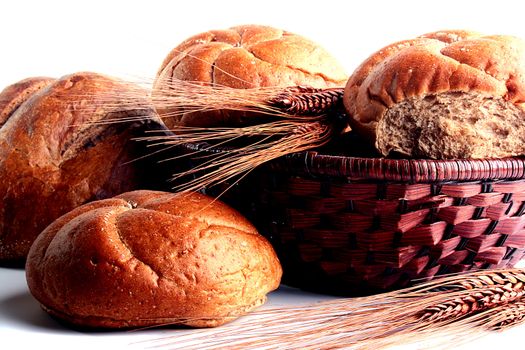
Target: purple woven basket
point(348, 225)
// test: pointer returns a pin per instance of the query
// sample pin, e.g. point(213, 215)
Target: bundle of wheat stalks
point(454, 308)
point(285, 120)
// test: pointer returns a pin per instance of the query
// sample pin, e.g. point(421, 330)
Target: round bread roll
point(248, 56)
point(57, 153)
point(449, 94)
point(148, 258)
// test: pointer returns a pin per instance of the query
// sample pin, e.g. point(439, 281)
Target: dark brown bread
point(449, 94)
point(55, 156)
point(149, 258)
point(248, 56)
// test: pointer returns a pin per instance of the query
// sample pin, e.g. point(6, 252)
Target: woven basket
point(346, 225)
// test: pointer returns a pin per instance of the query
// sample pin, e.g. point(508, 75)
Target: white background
point(131, 38)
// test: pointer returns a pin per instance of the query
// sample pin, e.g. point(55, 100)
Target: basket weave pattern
point(348, 225)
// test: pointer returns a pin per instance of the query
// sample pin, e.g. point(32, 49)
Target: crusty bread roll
point(248, 56)
point(55, 156)
point(449, 94)
point(149, 258)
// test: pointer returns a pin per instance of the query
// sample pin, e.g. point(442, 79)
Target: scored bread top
point(145, 258)
point(434, 63)
point(252, 56)
point(16, 94)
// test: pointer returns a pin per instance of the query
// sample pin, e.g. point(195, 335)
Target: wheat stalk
point(508, 315)
point(229, 164)
point(460, 306)
point(486, 290)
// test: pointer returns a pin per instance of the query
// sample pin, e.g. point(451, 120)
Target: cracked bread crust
point(148, 258)
point(56, 152)
point(248, 56)
point(462, 62)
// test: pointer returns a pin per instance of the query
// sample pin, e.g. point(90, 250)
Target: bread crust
point(149, 258)
point(55, 153)
point(434, 63)
point(14, 95)
point(248, 56)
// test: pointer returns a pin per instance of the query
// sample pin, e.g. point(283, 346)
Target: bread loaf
point(149, 258)
point(449, 94)
point(249, 56)
point(56, 152)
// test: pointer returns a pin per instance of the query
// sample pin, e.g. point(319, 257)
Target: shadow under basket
point(355, 226)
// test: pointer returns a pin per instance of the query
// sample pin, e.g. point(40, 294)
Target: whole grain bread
point(248, 56)
point(58, 151)
point(148, 258)
point(448, 94)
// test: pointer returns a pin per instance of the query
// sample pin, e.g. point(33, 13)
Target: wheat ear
point(461, 306)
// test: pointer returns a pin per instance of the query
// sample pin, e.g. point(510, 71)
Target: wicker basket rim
point(316, 164)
